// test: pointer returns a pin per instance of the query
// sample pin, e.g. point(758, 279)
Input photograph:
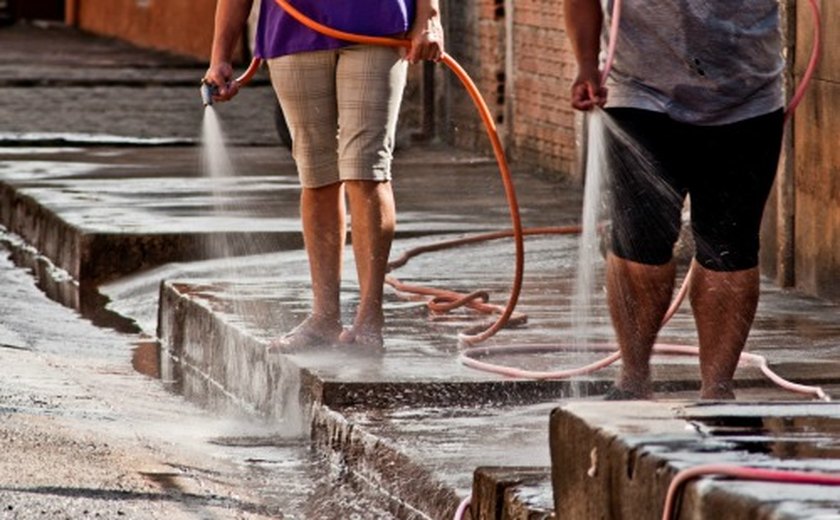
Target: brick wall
point(800, 236)
point(475, 41)
point(518, 55)
point(543, 130)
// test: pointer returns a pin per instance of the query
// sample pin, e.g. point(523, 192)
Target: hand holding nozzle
point(218, 84)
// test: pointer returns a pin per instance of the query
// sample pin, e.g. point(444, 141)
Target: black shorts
point(727, 171)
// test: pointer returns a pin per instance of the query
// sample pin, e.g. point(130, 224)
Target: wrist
point(588, 67)
point(426, 11)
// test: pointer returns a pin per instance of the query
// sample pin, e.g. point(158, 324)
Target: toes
point(311, 332)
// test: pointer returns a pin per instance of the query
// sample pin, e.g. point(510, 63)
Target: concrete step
point(411, 422)
point(512, 493)
point(615, 460)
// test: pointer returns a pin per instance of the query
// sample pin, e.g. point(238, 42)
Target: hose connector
point(208, 90)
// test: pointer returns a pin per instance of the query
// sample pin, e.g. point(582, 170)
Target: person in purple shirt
point(341, 102)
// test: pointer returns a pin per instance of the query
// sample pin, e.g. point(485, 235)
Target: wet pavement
point(209, 425)
point(85, 435)
point(59, 85)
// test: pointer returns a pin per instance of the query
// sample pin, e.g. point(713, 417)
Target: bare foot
point(364, 338)
point(313, 331)
point(718, 392)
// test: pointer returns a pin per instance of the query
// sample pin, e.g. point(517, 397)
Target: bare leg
point(324, 229)
point(638, 296)
point(373, 214)
point(724, 305)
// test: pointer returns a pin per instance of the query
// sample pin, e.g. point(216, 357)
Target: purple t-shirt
point(279, 34)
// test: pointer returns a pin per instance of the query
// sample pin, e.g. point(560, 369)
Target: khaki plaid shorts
point(341, 107)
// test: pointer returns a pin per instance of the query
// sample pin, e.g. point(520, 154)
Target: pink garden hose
point(743, 473)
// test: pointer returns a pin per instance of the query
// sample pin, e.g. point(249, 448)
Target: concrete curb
point(616, 460)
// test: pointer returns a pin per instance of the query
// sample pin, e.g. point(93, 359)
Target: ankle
point(328, 319)
point(635, 383)
point(717, 391)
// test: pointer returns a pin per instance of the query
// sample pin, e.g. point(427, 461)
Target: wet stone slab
point(411, 371)
point(149, 112)
point(426, 456)
point(421, 362)
point(411, 418)
point(102, 213)
point(515, 493)
point(415, 431)
point(616, 460)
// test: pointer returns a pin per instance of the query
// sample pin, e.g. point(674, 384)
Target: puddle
point(41, 170)
point(35, 150)
point(782, 437)
point(52, 139)
point(260, 441)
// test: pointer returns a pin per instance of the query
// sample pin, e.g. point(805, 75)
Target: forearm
point(426, 10)
point(231, 16)
point(583, 20)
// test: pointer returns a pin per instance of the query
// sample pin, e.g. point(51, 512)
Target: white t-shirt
point(705, 62)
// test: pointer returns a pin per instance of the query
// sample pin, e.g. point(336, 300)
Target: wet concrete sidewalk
point(145, 227)
point(63, 85)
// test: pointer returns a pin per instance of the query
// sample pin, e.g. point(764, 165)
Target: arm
point(426, 33)
point(231, 16)
point(583, 27)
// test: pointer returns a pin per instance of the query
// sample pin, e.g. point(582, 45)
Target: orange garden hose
point(249, 73)
point(443, 301)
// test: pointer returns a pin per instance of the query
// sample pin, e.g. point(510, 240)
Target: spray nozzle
point(208, 90)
